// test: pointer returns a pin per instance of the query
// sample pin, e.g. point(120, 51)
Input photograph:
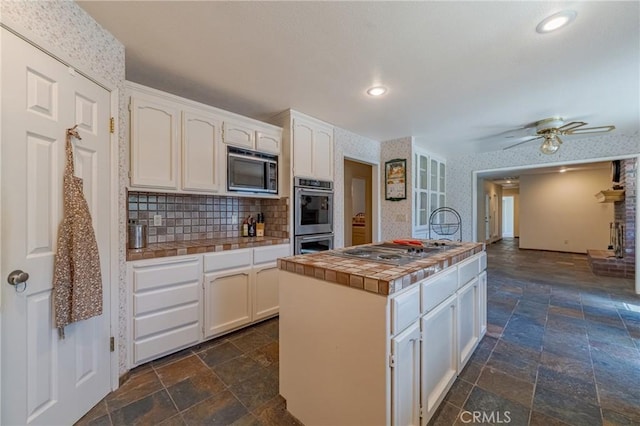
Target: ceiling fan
point(550, 130)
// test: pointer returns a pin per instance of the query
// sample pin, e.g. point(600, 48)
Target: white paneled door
point(46, 380)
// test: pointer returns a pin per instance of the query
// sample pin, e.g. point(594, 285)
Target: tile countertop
point(179, 248)
point(371, 276)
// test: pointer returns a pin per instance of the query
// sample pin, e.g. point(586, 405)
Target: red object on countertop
point(409, 242)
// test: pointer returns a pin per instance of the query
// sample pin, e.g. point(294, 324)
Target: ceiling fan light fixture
point(549, 146)
point(376, 91)
point(556, 21)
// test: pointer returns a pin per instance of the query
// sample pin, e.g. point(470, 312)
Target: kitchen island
point(370, 341)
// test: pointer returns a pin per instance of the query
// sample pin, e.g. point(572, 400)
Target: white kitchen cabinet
point(265, 291)
point(265, 280)
point(179, 301)
point(227, 291)
point(176, 144)
point(322, 155)
point(482, 303)
point(240, 287)
point(269, 139)
point(155, 129)
point(428, 191)
point(165, 305)
point(239, 134)
point(308, 145)
point(439, 354)
point(312, 149)
point(405, 377)
point(201, 156)
point(252, 135)
point(227, 301)
point(468, 320)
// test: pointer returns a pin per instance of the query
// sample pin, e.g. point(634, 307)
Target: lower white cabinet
point(227, 300)
point(405, 377)
point(166, 306)
point(179, 301)
point(265, 291)
point(482, 302)
point(265, 280)
point(468, 321)
point(439, 354)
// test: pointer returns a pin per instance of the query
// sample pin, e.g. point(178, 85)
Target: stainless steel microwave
point(251, 171)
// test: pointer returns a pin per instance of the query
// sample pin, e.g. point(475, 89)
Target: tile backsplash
point(194, 217)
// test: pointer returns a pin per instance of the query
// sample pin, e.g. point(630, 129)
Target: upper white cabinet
point(312, 149)
point(176, 144)
point(200, 152)
point(252, 135)
point(429, 188)
point(154, 142)
point(240, 134)
point(308, 146)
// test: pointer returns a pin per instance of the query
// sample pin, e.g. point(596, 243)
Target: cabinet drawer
point(147, 277)
point(270, 253)
point(438, 288)
point(159, 344)
point(483, 261)
point(467, 270)
point(165, 320)
point(165, 298)
point(227, 260)
point(405, 309)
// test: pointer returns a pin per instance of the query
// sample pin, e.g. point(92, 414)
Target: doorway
point(358, 205)
point(508, 216)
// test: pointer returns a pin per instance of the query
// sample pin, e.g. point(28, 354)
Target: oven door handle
point(313, 191)
point(312, 238)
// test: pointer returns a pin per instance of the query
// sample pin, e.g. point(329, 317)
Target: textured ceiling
point(458, 72)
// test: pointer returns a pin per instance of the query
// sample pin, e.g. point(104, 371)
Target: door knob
point(17, 277)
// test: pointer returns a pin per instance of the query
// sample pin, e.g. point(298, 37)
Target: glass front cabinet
point(429, 189)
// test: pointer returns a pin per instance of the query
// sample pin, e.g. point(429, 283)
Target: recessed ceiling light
point(556, 21)
point(563, 170)
point(377, 91)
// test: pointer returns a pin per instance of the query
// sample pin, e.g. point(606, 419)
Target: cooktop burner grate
point(390, 256)
point(359, 252)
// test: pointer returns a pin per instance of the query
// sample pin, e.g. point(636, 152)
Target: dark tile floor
point(232, 380)
point(563, 347)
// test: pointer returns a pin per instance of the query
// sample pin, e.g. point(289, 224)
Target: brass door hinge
point(112, 125)
point(112, 343)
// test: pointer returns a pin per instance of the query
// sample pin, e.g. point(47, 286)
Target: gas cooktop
point(394, 254)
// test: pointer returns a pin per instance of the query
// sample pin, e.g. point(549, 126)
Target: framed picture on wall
point(395, 179)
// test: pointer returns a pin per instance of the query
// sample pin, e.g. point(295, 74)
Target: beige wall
point(558, 211)
point(515, 193)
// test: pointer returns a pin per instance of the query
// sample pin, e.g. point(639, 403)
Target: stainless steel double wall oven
point(313, 215)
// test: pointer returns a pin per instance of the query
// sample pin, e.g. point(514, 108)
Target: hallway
point(563, 347)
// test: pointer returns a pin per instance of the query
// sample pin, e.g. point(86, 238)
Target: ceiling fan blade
point(570, 126)
point(514, 134)
point(523, 142)
point(586, 130)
